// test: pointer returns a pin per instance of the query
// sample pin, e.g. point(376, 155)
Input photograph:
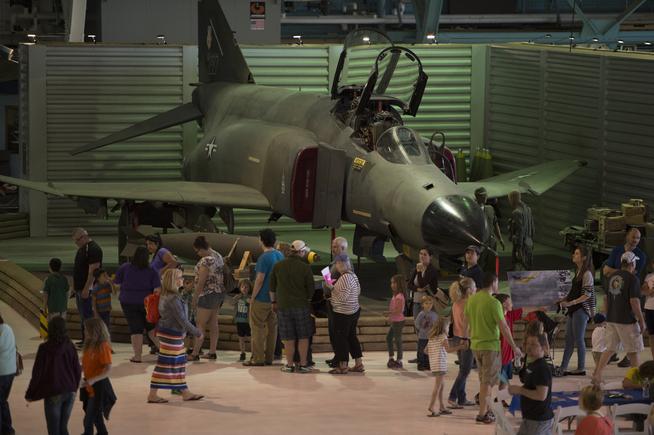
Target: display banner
point(538, 288)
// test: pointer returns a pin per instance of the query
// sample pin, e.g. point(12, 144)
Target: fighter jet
point(319, 159)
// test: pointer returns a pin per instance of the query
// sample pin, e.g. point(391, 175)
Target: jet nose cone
point(453, 222)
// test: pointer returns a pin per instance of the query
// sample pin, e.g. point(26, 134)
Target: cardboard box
point(629, 209)
point(612, 223)
point(636, 219)
point(611, 238)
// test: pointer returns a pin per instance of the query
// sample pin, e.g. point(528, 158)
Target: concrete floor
point(266, 401)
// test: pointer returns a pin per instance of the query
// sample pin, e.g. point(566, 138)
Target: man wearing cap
point(624, 319)
point(612, 264)
point(487, 257)
point(471, 269)
point(521, 231)
point(291, 289)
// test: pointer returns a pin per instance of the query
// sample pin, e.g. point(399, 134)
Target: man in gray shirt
point(624, 318)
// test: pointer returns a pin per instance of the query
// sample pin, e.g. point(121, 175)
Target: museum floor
point(266, 401)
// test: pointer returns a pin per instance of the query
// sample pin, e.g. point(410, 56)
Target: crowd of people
point(470, 318)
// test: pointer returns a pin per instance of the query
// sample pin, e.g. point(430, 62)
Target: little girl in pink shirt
point(396, 319)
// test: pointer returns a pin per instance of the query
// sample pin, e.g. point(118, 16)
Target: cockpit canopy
point(394, 77)
point(360, 49)
point(402, 145)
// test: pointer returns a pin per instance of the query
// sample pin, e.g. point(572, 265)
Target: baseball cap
point(629, 257)
point(473, 248)
point(299, 246)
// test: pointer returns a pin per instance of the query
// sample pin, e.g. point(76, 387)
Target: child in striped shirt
point(437, 349)
point(101, 294)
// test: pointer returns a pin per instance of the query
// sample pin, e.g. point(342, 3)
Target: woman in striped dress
point(170, 371)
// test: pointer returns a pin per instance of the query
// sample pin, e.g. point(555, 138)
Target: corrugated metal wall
point(545, 104)
point(300, 68)
point(92, 91)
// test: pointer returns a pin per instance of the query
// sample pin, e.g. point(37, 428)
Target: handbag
point(19, 363)
point(151, 303)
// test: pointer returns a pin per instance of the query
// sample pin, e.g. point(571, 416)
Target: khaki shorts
point(628, 334)
point(489, 364)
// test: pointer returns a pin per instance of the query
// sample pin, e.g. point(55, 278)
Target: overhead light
point(298, 39)
point(647, 43)
point(161, 39)
point(431, 38)
point(91, 37)
point(548, 35)
point(366, 39)
point(595, 39)
point(571, 38)
point(31, 37)
point(620, 41)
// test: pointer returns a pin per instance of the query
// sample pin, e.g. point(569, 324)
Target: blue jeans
point(84, 307)
point(5, 415)
point(57, 412)
point(458, 391)
point(93, 417)
point(574, 335)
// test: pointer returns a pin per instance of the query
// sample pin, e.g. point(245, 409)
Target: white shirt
point(598, 339)
point(437, 354)
point(649, 302)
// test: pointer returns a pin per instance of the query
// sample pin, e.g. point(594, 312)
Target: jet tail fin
point(220, 58)
point(179, 115)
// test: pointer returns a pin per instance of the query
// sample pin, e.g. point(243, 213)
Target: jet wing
point(534, 179)
point(176, 192)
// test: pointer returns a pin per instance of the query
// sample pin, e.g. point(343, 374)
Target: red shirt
point(594, 425)
point(507, 352)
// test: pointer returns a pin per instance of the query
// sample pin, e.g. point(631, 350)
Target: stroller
point(551, 329)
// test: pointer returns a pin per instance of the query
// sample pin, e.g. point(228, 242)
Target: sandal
point(193, 358)
point(445, 412)
point(194, 397)
point(158, 400)
point(358, 368)
point(338, 371)
point(434, 414)
point(134, 360)
point(453, 405)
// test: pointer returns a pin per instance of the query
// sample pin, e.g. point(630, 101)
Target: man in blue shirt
point(263, 320)
point(632, 240)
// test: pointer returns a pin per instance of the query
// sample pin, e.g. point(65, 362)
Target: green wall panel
point(546, 103)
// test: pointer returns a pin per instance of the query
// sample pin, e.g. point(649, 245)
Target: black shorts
point(649, 321)
point(135, 315)
point(295, 323)
point(243, 329)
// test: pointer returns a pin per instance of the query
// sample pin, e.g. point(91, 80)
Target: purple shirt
point(135, 284)
point(158, 262)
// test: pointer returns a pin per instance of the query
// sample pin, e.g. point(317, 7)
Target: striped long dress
point(170, 371)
